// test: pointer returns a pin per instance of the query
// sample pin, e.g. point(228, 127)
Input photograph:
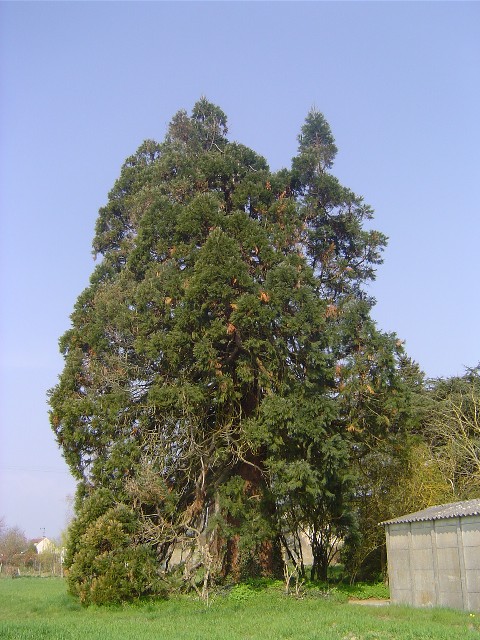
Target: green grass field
point(39, 608)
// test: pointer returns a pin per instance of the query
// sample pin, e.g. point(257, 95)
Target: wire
point(34, 470)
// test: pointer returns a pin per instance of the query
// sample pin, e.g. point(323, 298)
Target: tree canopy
point(222, 370)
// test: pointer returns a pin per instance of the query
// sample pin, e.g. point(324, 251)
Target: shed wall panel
point(472, 558)
point(473, 581)
point(446, 536)
point(401, 596)
point(447, 559)
point(398, 528)
point(398, 540)
point(421, 538)
point(474, 601)
point(400, 569)
point(471, 520)
point(471, 534)
point(450, 582)
point(424, 587)
point(449, 599)
point(422, 558)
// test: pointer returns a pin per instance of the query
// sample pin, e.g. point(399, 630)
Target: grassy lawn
point(39, 608)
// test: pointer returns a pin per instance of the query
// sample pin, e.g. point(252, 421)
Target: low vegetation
point(41, 608)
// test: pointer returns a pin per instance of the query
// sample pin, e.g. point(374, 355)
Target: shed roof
point(451, 510)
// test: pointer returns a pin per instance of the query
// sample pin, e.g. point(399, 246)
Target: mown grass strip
point(38, 609)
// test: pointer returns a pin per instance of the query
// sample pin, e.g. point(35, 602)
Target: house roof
point(451, 510)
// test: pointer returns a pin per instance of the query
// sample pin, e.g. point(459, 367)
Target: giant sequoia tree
point(222, 369)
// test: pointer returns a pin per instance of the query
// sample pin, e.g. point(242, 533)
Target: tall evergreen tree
point(222, 367)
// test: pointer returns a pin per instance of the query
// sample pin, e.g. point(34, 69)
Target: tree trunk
point(255, 550)
point(320, 563)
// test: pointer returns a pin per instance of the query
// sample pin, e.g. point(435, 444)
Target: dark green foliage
point(222, 373)
point(108, 564)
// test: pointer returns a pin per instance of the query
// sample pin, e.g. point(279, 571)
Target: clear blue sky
point(83, 84)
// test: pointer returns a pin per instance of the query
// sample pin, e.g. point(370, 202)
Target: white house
point(43, 544)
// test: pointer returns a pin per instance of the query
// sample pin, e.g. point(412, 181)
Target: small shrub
point(241, 592)
point(109, 566)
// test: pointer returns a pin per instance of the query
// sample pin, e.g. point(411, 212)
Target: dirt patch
point(372, 602)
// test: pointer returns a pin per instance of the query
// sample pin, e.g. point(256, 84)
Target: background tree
point(15, 551)
point(435, 461)
point(222, 370)
point(453, 431)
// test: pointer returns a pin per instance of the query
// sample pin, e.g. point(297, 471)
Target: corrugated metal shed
point(434, 556)
point(451, 510)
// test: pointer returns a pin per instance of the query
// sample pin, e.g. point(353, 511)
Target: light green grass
point(39, 609)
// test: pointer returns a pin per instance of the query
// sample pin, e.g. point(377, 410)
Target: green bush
point(109, 565)
point(241, 592)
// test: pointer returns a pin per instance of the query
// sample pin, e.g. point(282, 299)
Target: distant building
point(43, 544)
point(434, 556)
